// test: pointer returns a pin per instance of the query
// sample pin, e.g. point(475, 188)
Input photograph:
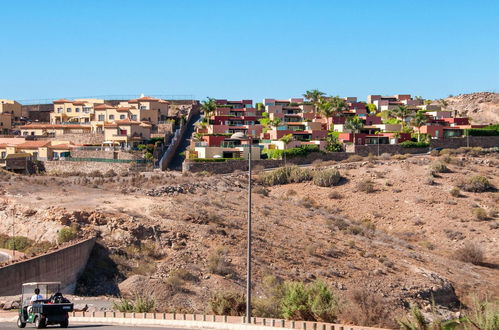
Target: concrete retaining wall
point(63, 265)
point(111, 154)
point(376, 150)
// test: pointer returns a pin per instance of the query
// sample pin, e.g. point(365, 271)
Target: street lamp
point(242, 137)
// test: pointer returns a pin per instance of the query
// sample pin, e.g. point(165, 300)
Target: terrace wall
point(57, 167)
point(63, 265)
point(118, 154)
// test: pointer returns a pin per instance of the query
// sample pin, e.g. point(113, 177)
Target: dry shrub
point(228, 303)
point(334, 195)
point(367, 309)
point(354, 158)
point(480, 214)
point(285, 175)
point(470, 252)
point(366, 186)
point(400, 156)
point(438, 167)
point(455, 192)
point(326, 178)
point(218, 263)
point(261, 190)
point(476, 183)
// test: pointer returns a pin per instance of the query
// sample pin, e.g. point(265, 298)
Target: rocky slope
point(482, 108)
point(180, 238)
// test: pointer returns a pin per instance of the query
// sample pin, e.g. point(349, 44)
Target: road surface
point(88, 326)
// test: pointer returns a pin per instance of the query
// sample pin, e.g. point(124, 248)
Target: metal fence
point(122, 97)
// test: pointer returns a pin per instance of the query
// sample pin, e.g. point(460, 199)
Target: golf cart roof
point(41, 283)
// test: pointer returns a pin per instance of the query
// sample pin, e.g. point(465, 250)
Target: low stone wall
point(118, 154)
point(58, 167)
point(63, 265)
point(242, 165)
point(474, 141)
point(376, 150)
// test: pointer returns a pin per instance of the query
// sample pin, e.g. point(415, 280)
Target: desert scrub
point(470, 252)
point(228, 303)
point(217, 262)
point(476, 183)
point(480, 214)
point(455, 192)
point(66, 234)
point(438, 167)
point(285, 175)
point(334, 195)
point(327, 177)
point(366, 186)
point(138, 304)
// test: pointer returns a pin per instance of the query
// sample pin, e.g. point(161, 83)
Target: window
point(101, 118)
point(77, 109)
point(59, 110)
point(68, 110)
point(86, 109)
point(134, 117)
point(111, 117)
point(4, 153)
point(122, 117)
point(143, 107)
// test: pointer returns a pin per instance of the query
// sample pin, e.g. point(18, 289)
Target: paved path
point(85, 326)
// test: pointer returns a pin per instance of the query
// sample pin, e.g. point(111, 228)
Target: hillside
point(482, 108)
point(181, 238)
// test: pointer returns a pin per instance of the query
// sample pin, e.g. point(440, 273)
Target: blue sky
point(247, 49)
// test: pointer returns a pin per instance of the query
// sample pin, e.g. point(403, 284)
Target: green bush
point(327, 177)
point(301, 151)
point(19, 243)
point(285, 175)
point(139, 304)
point(66, 234)
point(476, 183)
point(312, 302)
point(492, 130)
point(413, 144)
point(228, 303)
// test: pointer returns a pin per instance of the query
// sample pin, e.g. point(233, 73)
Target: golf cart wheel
point(20, 324)
point(65, 323)
point(39, 323)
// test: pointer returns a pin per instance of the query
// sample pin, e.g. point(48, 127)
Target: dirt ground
point(399, 242)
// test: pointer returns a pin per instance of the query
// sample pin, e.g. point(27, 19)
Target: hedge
point(483, 131)
point(290, 153)
point(413, 144)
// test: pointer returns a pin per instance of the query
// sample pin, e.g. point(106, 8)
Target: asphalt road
point(87, 326)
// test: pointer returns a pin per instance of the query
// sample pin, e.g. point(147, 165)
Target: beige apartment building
point(12, 107)
point(126, 133)
point(77, 111)
point(53, 130)
point(151, 109)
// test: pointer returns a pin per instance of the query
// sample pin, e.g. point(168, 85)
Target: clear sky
point(247, 49)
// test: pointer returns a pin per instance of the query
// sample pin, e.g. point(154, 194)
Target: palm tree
point(314, 96)
point(418, 121)
point(354, 124)
point(401, 112)
point(209, 106)
point(330, 107)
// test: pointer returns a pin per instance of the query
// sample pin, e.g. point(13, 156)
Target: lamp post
point(243, 137)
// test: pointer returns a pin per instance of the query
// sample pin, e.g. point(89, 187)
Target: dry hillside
point(387, 230)
point(482, 108)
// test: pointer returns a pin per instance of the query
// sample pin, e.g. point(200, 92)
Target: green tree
point(418, 121)
point(197, 137)
point(286, 139)
point(354, 124)
point(331, 107)
point(208, 107)
point(371, 108)
point(333, 143)
point(401, 112)
point(314, 96)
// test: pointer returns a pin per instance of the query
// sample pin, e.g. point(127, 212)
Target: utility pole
point(248, 261)
point(13, 236)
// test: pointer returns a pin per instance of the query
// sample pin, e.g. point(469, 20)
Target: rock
point(132, 285)
point(80, 307)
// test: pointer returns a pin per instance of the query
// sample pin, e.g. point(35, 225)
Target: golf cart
point(51, 308)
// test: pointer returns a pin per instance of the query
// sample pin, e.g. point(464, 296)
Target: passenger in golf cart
point(40, 311)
